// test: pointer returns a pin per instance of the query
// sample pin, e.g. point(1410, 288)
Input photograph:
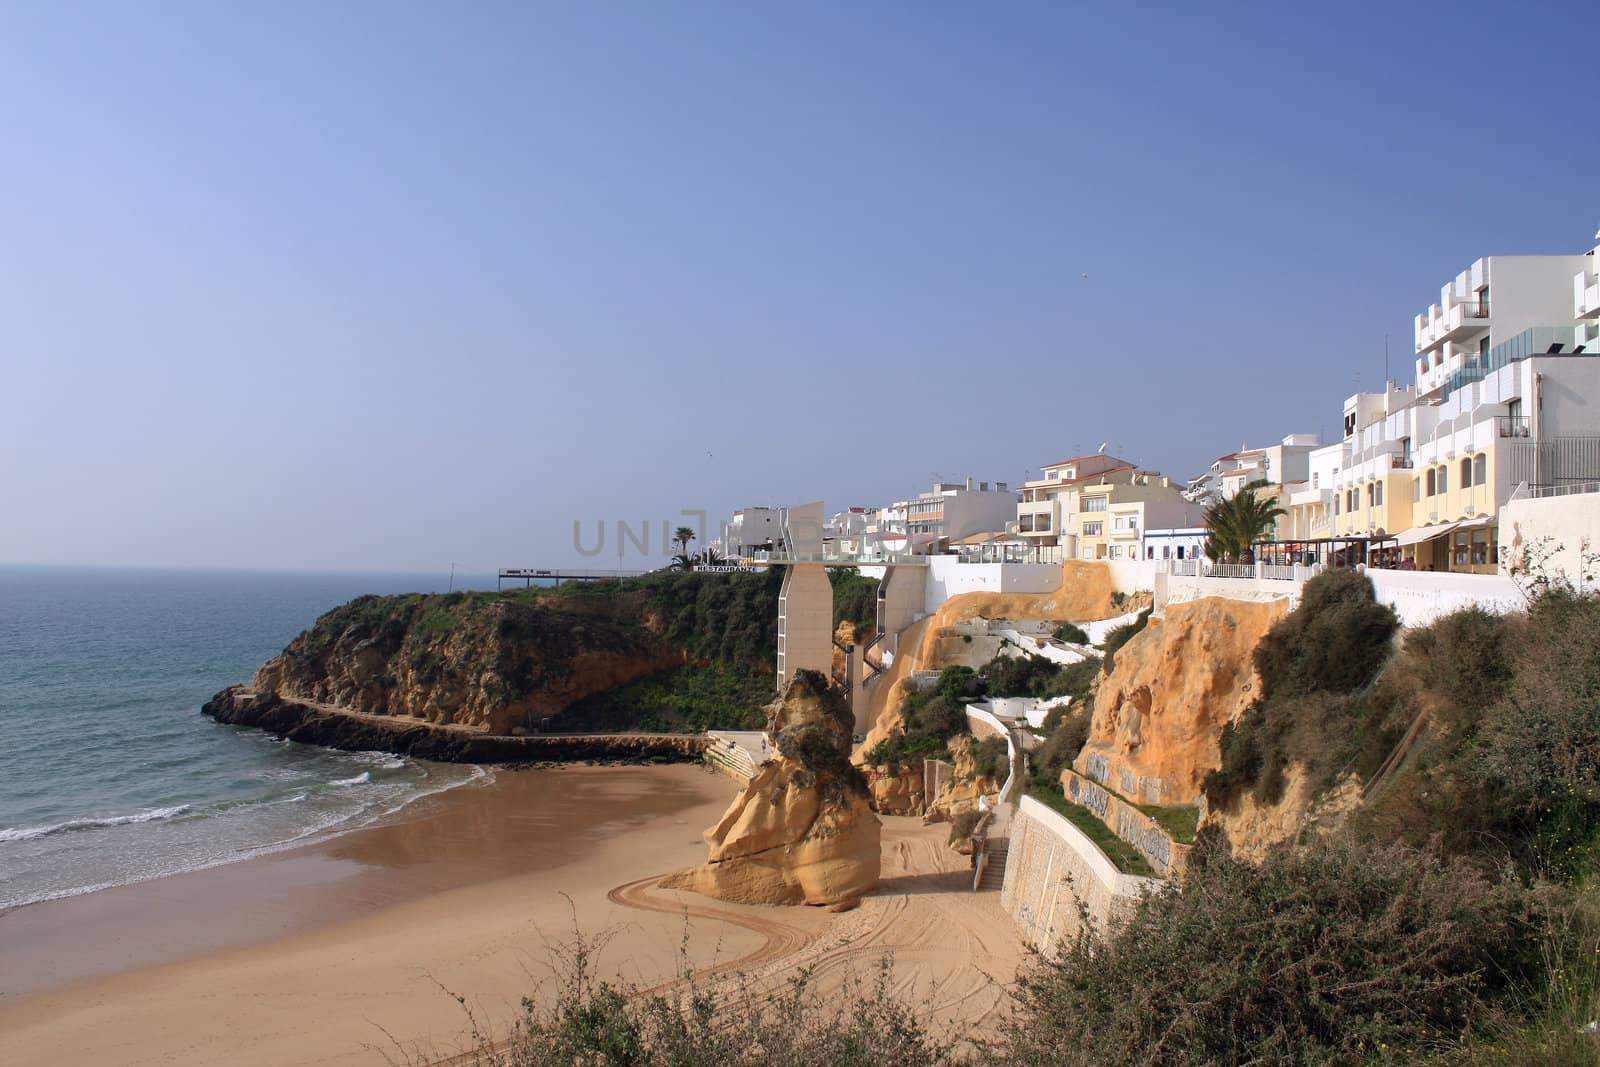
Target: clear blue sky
point(386, 286)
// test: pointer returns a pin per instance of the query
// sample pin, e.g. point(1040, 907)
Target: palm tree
point(682, 536)
point(712, 558)
point(681, 562)
point(1233, 525)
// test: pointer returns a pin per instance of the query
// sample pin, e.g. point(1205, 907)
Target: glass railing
point(1534, 341)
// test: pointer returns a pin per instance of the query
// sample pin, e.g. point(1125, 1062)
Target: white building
point(1182, 542)
point(1507, 391)
point(753, 529)
point(948, 514)
point(1044, 515)
point(1586, 297)
point(1284, 463)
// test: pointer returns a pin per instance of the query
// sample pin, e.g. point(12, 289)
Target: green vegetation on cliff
point(508, 659)
point(686, 699)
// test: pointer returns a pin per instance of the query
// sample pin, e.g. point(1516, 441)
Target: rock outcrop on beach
point(1159, 715)
point(802, 831)
point(965, 786)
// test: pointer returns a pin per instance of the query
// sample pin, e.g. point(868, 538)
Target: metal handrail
point(1513, 425)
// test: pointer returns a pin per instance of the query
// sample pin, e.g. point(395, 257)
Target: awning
point(1418, 534)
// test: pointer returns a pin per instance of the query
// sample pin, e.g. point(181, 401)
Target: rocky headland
point(493, 676)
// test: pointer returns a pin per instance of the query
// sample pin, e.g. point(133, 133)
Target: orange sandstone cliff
point(1159, 715)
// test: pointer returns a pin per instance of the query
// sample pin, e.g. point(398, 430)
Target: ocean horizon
point(115, 777)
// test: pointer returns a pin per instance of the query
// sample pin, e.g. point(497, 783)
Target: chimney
point(969, 485)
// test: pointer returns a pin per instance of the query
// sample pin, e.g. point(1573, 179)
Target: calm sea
point(109, 774)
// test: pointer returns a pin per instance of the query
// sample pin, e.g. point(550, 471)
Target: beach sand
point(343, 951)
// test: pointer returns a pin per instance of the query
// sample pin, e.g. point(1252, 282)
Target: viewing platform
point(529, 575)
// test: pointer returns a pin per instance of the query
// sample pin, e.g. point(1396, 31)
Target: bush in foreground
point(1339, 953)
point(594, 1023)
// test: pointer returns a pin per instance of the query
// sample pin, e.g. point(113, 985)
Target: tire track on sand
point(779, 939)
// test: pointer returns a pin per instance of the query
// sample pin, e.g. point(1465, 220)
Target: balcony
point(1452, 322)
point(1513, 426)
point(1125, 532)
point(1585, 296)
point(1402, 463)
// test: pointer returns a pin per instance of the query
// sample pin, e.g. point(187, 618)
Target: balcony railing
point(1402, 463)
point(1513, 426)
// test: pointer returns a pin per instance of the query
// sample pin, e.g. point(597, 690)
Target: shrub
point(1333, 642)
point(989, 759)
point(855, 599)
point(962, 825)
point(1338, 953)
point(1072, 635)
point(1066, 739)
point(595, 1023)
point(1026, 675)
point(1120, 635)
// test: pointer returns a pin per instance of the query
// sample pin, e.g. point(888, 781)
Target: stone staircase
point(996, 843)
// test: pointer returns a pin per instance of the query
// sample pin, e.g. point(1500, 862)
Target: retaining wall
point(1052, 868)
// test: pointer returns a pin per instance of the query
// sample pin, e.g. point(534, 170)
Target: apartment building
point(1284, 463)
point(1507, 392)
point(949, 513)
point(1112, 515)
point(1308, 505)
point(1049, 502)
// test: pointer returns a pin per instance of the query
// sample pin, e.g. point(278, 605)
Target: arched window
point(1444, 479)
point(1480, 468)
point(1433, 482)
point(1378, 488)
point(1466, 472)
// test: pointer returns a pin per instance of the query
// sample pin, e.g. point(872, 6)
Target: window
point(1514, 409)
point(1336, 503)
point(1369, 494)
point(1480, 548)
point(1416, 490)
point(1378, 487)
point(1180, 551)
point(1480, 468)
point(1314, 476)
point(1466, 471)
point(1433, 482)
point(1094, 503)
point(1444, 479)
point(1093, 529)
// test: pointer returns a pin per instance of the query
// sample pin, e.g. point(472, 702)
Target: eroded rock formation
point(1159, 714)
point(802, 831)
point(965, 786)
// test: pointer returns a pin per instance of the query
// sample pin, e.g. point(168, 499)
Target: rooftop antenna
point(1102, 449)
point(1386, 362)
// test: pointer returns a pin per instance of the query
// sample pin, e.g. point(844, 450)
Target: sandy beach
point(342, 951)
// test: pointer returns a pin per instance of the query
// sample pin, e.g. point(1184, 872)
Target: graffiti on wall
point(1097, 766)
point(1090, 796)
point(1146, 837)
